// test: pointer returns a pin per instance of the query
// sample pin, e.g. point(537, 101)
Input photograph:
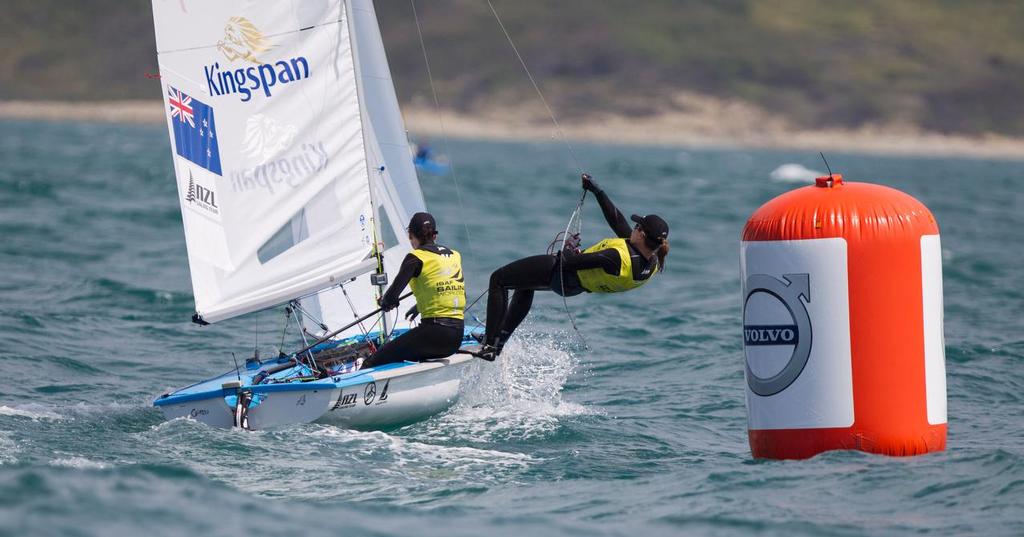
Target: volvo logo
point(776, 330)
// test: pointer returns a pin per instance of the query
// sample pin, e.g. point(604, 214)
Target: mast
point(379, 279)
point(394, 187)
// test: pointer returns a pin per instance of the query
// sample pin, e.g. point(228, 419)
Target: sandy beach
point(693, 121)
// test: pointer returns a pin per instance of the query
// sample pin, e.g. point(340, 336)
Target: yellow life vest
point(596, 280)
point(440, 289)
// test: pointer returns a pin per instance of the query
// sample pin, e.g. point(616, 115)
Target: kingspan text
point(246, 80)
point(290, 170)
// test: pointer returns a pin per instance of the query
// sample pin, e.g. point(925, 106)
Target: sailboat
point(294, 180)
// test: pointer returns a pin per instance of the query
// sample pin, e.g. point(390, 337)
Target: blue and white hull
point(381, 397)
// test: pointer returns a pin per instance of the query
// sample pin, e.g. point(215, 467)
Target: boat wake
point(325, 462)
point(32, 411)
point(517, 397)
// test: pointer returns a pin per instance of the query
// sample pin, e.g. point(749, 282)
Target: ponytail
point(662, 253)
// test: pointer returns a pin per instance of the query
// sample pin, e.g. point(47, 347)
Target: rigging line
point(319, 322)
point(572, 152)
point(469, 307)
point(309, 351)
point(577, 214)
point(479, 323)
point(558, 127)
point(352, 306)
point(394, 323)
point(444, 130)
point(284, 329)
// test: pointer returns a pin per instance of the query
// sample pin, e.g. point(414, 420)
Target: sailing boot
point(488, 352)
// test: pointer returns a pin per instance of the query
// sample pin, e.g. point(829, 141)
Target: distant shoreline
point(705, 123)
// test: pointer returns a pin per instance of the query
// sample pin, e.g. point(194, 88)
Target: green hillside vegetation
point(952, 66)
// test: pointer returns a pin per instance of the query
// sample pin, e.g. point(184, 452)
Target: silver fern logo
point(201, 198)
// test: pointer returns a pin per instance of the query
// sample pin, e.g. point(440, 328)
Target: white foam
point(80, 463)
point(8, 449)
point(794, 173)
point(517, 396)
point(32, 411)
point(408, 450)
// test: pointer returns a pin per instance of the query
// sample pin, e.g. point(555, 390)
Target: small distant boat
point(794, 173)
point(426, 161)
point(431, 166)
point(295, 182)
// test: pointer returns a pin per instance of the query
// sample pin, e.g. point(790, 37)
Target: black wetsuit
point(435, 337)
point(549, 272)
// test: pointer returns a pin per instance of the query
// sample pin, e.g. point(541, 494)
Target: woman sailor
point(612, 265)
point(435, 274)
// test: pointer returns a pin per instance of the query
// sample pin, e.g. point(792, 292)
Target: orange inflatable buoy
point(842, 323)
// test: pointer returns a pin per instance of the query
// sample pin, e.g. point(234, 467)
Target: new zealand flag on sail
point(195, 136)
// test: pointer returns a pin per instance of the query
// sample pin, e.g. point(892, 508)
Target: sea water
point(637, 428)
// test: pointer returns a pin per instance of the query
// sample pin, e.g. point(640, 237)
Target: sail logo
point(265, 137)
point(244, 42)
point(290, 170)
point(195, 132)
point(196, 195)
point(776, 331)
point(345, 400)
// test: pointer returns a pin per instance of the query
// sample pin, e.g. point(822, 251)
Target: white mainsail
point(396, 189)
point(288, 147)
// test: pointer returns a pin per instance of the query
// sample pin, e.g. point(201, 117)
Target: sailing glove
point(589, 184)
point(412, 313)
point(387, 305)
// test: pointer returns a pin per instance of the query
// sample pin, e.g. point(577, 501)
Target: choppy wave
point(30, 411)
point(642, 432)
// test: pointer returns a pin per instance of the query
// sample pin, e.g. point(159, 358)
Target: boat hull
point(389, 396)
point(397, 400)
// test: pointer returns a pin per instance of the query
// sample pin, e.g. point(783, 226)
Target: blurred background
point(699, 111)
point(913, 67)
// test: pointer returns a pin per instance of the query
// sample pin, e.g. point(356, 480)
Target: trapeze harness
point(434, 273)
point(598, 280)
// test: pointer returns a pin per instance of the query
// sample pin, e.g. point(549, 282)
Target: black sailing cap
point(653, 226)
point(421, 222)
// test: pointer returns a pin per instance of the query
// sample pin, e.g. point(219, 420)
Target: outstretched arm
point(612, 214)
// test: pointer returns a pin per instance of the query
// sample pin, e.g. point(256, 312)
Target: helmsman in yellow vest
point(625, 262)
point(434, 273)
